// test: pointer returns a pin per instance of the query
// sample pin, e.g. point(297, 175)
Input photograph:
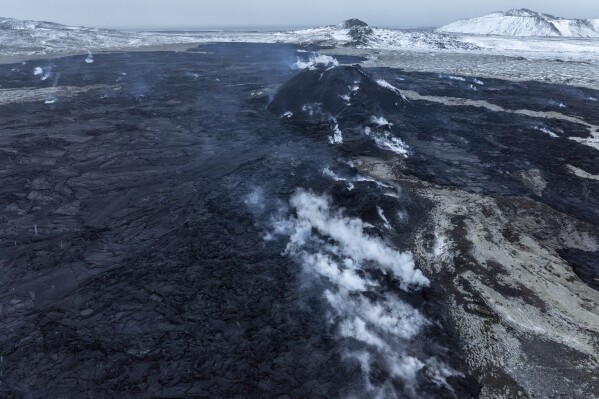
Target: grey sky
point(213, 13)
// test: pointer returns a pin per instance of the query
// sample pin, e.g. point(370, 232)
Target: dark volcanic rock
point(325, 99)
point(353, 23)
point(359, 31)
point(340, 91)
point(135, 251)
point(584, 264)
point(132, 264)
point(447, 143)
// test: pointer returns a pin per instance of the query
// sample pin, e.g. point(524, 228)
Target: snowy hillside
point(25, 38)
point(18, 24)
point(22, 37)
point(525, 22)
point(32, 37)
point(357, 33)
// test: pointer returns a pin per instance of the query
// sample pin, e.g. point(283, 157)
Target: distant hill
point(20, 24)
point(525, 22)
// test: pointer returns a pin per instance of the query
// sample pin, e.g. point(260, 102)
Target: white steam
point(337, 137)
point(314, 213)
point(383, 217)
point(358, 178)
point(315, 109)
point(316, 61)
point(380, 121)
point(387, 141)
point(90, 57)
point(336, 249)
point(255, 200)
point(337, 254)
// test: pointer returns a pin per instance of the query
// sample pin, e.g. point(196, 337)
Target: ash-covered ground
point(220, 223)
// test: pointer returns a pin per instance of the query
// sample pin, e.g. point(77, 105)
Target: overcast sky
point(214, 13)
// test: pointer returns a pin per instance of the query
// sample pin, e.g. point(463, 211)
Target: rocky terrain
point(528, 324)
point(20, 40)
point(220, 223)
point(515, 266)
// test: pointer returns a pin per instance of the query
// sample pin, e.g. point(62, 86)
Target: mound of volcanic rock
point(359, 31)
point(344, 92)
point(344, 104)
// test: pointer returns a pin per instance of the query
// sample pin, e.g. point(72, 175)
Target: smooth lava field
point(190, 224)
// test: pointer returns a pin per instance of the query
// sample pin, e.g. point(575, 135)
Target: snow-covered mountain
point(18, 24)
point(26, 38)
point(19, 37)
point(525, 22)
point(357, 33)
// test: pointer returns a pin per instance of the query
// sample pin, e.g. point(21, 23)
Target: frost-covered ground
point(572, 61)
point(511, 67)
point(25, 38)
point(29, 40)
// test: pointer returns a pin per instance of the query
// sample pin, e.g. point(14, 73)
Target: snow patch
point(591, 141)
point(546, 131)
point(582, 173)
point(388, 86)
point(383, 83)
point(441, 245)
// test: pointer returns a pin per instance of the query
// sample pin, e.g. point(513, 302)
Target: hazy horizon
point(271, 14)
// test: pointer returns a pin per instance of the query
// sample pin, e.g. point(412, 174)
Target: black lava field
point(192, 224)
